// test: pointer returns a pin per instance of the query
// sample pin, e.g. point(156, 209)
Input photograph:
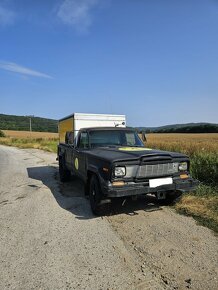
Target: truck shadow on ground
point(71, 195)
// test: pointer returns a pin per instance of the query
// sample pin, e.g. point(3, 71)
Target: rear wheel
point(95, 195)
point(63, 172)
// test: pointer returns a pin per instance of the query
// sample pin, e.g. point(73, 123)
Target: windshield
point(114, 138)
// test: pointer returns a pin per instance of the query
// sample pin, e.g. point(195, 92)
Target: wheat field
point(28, 134)
point(186, 143)
point(203, 152)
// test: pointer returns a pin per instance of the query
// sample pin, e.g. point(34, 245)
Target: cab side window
point(83, 140)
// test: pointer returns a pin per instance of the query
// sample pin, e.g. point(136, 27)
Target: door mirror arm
point(144, 139)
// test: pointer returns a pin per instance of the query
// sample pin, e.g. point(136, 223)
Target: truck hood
point(116, 154)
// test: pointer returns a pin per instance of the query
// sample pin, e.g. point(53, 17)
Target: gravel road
point(49, 238)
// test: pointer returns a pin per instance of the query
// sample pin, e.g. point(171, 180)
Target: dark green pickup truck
point(113, 162)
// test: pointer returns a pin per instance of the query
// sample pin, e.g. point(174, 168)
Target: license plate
point(160, 181)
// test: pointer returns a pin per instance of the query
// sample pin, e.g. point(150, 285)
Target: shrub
point(204, 167)
point(2, 134)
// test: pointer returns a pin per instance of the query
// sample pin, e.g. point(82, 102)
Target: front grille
point(153, 170)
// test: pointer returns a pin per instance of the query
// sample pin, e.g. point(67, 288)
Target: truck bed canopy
point(77, 121)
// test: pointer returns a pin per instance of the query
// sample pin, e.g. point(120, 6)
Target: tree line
point(22, 123)
point(204, 128)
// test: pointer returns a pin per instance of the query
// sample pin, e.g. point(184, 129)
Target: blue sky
point(155, 61)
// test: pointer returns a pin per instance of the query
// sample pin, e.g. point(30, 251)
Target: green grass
point(37, 143)
point(204, 167)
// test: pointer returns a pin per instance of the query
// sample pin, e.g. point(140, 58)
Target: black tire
point(95, 196)
point(63, 172)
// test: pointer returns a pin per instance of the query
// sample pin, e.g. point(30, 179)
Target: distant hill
point(182, 128)
point(22, 123)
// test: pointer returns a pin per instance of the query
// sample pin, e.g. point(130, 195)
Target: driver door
point(79, 158)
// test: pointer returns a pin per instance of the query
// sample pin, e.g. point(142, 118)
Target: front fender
point(93, 169)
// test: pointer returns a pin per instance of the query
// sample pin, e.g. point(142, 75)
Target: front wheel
point(95, 195)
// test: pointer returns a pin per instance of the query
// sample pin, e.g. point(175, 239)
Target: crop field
point(25, 139)
point(187, 143)
point(28, 134)
point(202, 149)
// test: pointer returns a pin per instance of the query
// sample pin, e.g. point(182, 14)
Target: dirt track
point(49, 238)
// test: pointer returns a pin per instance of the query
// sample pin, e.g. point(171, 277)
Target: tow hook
point(161, 195)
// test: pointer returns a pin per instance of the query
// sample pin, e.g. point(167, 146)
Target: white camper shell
point(78, 121)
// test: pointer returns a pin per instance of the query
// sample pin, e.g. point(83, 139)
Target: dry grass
point(27, 134)
point(203, 209)
point(25, 139)
point(37, 143)
point(200, 206)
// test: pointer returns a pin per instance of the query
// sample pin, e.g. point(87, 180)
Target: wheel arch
point(90, 173)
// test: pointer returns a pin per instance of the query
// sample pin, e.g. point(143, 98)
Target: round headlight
point(183, 166)
point(120, 171)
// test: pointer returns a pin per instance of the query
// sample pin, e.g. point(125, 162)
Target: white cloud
point(13, 67)
point(7, 17)
point(77, 13)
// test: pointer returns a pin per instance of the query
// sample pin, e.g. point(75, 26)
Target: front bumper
point(182, 185)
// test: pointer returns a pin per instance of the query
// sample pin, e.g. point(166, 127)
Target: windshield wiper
point(105, 146)
point(124, 145)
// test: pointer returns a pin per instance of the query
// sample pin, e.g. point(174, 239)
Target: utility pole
point(30, 125)
point(30, 119)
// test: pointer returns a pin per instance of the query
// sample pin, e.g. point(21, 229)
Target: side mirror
point(69, 137)
point(144, 139)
